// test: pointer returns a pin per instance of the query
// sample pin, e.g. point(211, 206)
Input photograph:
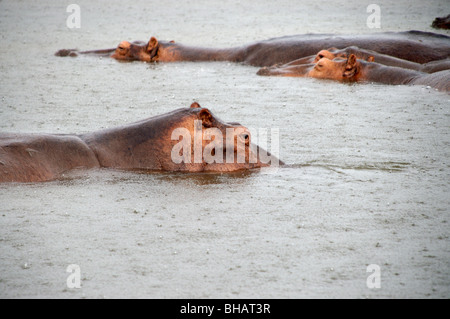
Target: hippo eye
point(245, 137)
point(320, 56)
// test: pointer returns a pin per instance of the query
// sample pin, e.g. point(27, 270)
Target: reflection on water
point(205, 178)
point(116, 177)
point(382, 166)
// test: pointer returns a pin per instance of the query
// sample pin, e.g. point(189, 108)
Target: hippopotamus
point(371, 56)
point(185, 140)
point(155, 51)
point(416, 46)
point(441, 23)
point(354, 70)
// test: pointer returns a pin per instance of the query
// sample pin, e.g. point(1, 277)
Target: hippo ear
point(351, 60)
point(195, 105)
point(206, 117)
point(152, 47)
point(371, 59)
point(152, 43)
point(350, 66)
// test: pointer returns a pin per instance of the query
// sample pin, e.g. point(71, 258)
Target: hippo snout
point(263, 71)
point(66, 52)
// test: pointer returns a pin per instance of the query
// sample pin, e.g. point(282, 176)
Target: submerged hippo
point(416, 46)
point(371, 56)
point(354, 70)
point(441, 23)
point(186, 140)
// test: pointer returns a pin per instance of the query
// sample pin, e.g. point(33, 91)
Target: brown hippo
point(371, 56)
point(103, 52)
point(441, 23)
point(416, 46)
point(154, 51)
point(354, 70)
point(186, 140)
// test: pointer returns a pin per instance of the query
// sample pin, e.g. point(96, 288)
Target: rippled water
point(366, 180)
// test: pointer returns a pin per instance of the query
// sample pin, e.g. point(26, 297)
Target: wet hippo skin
point(145, 145)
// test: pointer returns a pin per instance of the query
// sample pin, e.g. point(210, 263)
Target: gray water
point(367, 180)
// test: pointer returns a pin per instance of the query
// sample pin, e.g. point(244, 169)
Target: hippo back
point(416, 46)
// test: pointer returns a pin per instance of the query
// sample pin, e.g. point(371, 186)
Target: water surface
point(367, 179)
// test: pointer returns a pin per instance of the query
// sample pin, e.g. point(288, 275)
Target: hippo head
point(333, 64)
point(199, 141)
point(336, 69)
point(137, 51)
point(185, 140)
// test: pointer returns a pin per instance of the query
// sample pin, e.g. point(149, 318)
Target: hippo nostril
point(263, 71)
point(245, 138)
